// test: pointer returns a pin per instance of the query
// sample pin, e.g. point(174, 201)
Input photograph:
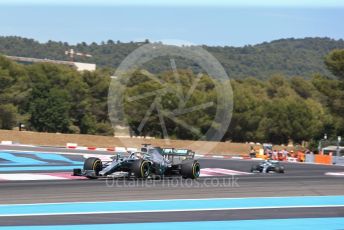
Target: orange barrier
point(323, 159)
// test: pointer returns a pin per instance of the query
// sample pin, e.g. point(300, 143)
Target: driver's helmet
point(139, 155)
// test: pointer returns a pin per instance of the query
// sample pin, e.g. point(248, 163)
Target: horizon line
point(180, 3)
point(170, 41)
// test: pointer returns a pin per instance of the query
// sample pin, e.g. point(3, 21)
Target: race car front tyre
point(141, 168)
point(255, 168)
point(95, 164)
point(190, 170)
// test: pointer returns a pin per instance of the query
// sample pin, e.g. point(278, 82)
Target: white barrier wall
point(6, 142)
point(338, 160)
point(309, 158)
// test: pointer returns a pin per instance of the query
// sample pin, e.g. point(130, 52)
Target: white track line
point(225, 171)
point(335, 174)
point(29, 176)
point(206, 172)
point(171, 210)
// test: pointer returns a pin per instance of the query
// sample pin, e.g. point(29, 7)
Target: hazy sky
point(212, 22)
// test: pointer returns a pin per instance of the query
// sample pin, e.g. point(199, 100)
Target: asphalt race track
point(304, 195)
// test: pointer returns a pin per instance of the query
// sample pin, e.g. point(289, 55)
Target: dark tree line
point(57, 98)
point(289, 57)
point(53, 98)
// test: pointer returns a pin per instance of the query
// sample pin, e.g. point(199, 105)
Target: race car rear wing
point(177, 152)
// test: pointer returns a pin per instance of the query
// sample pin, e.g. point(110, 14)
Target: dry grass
point(52, 139)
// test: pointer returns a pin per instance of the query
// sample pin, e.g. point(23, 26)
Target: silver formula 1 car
point(146, 163)
point(268, 166)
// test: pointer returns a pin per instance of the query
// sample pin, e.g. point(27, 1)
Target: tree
point(88, 124)
point(285, 119)
point(302, 87)
point(49, 110)
point(247, 111)
point(188, 125)
point(332, 98)
point(8, 115)
point(335, 63)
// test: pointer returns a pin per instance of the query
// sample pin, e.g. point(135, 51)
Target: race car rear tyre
point(279, 169)
point(190, 170)
point(95, 164)
point(141, 168)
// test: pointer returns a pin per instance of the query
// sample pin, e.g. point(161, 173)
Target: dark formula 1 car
point(149, 162)
point(268, 166)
